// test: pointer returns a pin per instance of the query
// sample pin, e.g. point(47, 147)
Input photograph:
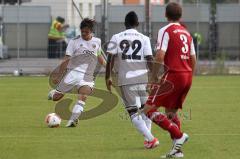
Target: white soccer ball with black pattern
point(53, 120)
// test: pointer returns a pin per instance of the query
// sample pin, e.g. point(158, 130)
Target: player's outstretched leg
point(139, 123)
point(162, 121)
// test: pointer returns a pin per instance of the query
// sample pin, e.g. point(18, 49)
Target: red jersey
point(178, 46)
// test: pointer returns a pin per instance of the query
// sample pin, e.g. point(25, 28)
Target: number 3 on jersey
point(184, 39)
point(136, 46)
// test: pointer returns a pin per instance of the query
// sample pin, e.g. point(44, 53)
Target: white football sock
point(140, 124)
point(148, 123)
point(77, 110)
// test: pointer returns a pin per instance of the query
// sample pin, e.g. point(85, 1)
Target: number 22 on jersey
point(125, 46)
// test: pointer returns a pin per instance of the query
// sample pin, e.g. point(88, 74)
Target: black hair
point(173, 11)
point(60, 19)
point(87, 23)
point(131, 20)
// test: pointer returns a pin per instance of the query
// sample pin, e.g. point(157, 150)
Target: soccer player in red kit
point(175, 50)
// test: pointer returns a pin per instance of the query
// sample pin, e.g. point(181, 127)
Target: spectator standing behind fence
point(56, 38)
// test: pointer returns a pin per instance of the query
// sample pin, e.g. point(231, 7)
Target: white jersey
point(83, 54)
point(131, 48)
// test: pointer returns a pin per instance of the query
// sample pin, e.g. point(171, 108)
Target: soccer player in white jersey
point(82, 55)
point(132, 51)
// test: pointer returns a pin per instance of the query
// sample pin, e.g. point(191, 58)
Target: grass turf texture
point(214, 127)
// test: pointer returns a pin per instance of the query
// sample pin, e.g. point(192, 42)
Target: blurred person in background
point(56, 38)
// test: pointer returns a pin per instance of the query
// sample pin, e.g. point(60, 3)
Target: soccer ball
point(53, 120)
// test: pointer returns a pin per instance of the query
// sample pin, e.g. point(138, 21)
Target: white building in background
point(65, 8)
point(86, 8)
point(58, 7)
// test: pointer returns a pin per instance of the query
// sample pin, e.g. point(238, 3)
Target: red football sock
point(161, 120)
point(177, 121)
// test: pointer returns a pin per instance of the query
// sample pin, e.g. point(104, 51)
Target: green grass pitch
point(213, 124)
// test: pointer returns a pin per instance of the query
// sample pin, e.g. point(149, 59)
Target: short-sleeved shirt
point(178, 46)
point(83, 54)
point(130, 48)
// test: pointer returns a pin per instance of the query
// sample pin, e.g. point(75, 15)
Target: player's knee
point(82, 97)
point(85, 90)
point(146, 109)
point(57, 96)
point(171, 113)
point(142, 107)
point(149, 110)
point(132, 110)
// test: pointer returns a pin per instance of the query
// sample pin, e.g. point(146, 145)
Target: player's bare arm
point(149, 59)
point(101, 60)
point(193, 59)
point(64, 63)
point(160, 56)
point(193, 62)
point(62, 68)
point(158, 62)
point(109, 67)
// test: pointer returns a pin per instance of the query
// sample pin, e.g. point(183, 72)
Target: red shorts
point(172, 90)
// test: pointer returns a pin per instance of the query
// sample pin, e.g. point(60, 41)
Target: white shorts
point(134, 95)
point(74, 80)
